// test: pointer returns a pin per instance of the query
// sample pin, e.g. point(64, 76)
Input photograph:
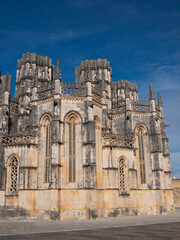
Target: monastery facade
point(81, 150)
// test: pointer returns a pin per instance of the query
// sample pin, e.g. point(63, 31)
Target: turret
point(97, 68)
point(34, 74)
point(5, 89)
point(30, 65)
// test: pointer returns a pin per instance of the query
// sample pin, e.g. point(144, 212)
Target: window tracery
point(47, 149)
point(46, 143)
point(14, 175)
point(122, 175)
point(141, 134)
point(72, 149)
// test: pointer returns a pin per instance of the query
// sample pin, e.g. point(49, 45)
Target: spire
point(160, 103)
point(58, 71)
point(151, 92)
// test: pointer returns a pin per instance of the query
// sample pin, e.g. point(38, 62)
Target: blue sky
point(140, 38)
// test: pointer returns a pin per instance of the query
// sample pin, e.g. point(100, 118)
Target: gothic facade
point(80, 150)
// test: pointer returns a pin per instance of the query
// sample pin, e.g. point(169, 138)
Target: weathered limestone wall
point(84, 204)
point(176, 191)
point(42, 204)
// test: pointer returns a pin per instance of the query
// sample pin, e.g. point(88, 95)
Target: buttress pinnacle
point(151, 92)
point(160, 103)
point(58, 70)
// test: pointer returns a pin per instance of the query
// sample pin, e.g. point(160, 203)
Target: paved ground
point(136, 227)
point(144, 232)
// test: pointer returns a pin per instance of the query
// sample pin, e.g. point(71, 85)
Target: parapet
point(99, 69)
point(33, 58)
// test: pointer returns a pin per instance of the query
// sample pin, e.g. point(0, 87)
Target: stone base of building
point(84, 204)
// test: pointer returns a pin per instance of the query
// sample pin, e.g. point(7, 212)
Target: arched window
point(121, 168)
point(47, 149)
point(72, 149)
point(97, 149)
point(141, 153)
point(12, 175)
point(97, 136)
point(45, 134)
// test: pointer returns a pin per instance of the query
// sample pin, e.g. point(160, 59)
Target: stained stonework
point(176, 192)
point(80, 150)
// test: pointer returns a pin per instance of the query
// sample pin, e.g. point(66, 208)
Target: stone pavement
point(21, 227)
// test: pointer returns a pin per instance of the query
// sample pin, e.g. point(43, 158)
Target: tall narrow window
point(98, 150)
point(141, 155)
point(47, 148)
point(72, 150)
point(121, 175)
point(14, 175)
point(97, 137)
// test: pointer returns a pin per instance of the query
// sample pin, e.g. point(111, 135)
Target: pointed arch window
point(122, 175)
point(72, 149)
point(12, 175)
point(47, 148)
point(97, 137)
point(98, 149)
point(141, 155)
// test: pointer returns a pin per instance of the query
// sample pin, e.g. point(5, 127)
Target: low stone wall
point(176, 191)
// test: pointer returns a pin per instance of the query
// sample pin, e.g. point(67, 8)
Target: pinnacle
point(151, 92)
point(160, 103)
point(58, 70)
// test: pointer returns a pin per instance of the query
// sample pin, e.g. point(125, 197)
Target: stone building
point(176, 192)
point(81, 150)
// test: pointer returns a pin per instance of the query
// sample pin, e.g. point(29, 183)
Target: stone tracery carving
point(14, 175)
point(140, 106)
point(23, 139)
point(73, 90)
point(118, 141)
point(121, 175)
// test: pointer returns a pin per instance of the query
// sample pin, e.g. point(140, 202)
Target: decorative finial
point(160, 103)
point(151, 93)
point(58, 70)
